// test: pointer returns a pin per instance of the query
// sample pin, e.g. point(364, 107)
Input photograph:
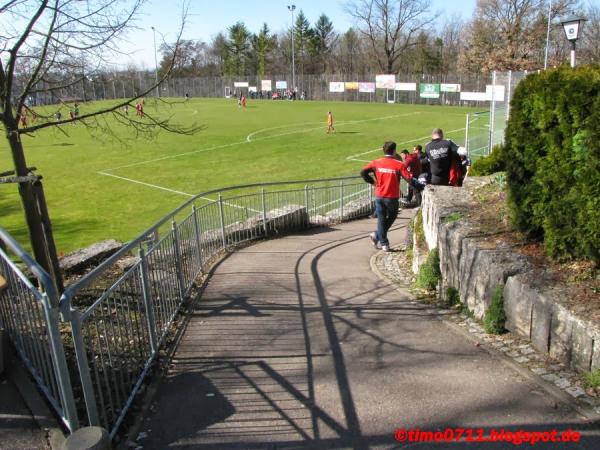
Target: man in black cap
point(441, 153)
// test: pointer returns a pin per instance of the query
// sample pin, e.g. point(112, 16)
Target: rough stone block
point(419, 256)
point(288, 217)
point(84, 258)
point(581, 346)
point(541, 321)
point(596, 354)
point(560, 334)
point(517, 306)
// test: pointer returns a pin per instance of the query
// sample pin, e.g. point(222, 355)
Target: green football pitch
point(115, 185)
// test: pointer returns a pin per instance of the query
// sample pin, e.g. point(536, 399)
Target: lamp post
point(292, 8)
point(572, 26)
point(155, 64)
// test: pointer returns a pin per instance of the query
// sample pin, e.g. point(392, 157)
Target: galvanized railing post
point(306, 203)
point(147, 297)
point(198, 234)
point(342, 200)
point(222, 215)
point(178, 265)
point(60, 363)
point(467, 133)
point(84, 369)
point(264, 208)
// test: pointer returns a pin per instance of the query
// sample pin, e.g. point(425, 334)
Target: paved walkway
point(18, 428)
point(297, 344)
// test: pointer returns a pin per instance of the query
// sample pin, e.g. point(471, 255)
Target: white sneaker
point(385, 248)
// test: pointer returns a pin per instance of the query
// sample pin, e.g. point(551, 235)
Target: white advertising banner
point(366, 87)
point(251, 88)
point(474, 96)
point(385, 81)
point(281, 84)
point(497, 92)
point(406, 86)
point(445, 87)
point(336, 86)
point(265, 85)
point(240, 84)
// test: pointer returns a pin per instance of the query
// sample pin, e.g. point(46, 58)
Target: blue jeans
point(387, 211)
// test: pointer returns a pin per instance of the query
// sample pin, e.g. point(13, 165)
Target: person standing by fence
point(387, 171)
point(413, 164)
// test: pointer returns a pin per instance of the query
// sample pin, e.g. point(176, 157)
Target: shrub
point(495, 318)
point(429, 272)
point(552, 154)
point(452, 296)
point(592, 379)
point(494, 162)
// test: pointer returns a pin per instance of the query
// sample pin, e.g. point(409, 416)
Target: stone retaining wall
point(475, 264)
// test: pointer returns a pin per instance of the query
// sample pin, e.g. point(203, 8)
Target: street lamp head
point(291, 7)
point(572, 26)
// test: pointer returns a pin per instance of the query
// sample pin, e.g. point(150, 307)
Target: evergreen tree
point(238, 50)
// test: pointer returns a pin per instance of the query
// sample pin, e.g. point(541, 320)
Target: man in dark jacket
point(441, 154)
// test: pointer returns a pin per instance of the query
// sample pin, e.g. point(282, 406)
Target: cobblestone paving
point(395, 267)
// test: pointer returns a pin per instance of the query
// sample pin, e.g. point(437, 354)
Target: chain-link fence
point(490, 92)
point(486, 129)
point(314, 87)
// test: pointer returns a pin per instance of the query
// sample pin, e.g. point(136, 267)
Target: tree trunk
point(41, 250)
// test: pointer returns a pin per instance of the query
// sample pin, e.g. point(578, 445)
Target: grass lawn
point(93, 181)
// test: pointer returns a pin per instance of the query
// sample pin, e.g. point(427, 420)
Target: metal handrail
point(38, 271)
point(47, 296)
point(85, 281)
point(110, 370)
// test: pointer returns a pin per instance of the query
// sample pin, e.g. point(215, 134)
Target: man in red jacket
point(412, 161)
point(387, 171)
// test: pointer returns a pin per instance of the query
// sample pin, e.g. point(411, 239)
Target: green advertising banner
point(429, 90)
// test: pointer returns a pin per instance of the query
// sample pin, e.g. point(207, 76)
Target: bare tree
point(590, 43)
point(510, 34)
point(390, 26)
point(46, 46)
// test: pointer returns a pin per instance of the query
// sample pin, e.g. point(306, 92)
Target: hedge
point(552, 155)
point(494, 162)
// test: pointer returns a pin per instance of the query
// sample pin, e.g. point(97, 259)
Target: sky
point(206, 18)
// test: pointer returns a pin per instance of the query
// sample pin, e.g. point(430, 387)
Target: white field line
point(349, 158)
point(217, 147)
point(346, 122)
point(249, 137)
point(337, 201)
point(156, 186)
point(353, 157)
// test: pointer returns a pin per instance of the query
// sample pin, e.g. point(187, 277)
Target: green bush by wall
point(494, 162)
point(495, 318)
point(552, 155)
point(429, 272)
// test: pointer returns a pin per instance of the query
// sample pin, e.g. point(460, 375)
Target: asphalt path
point(296, 343)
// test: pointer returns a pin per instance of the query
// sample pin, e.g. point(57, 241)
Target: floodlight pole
point(292, 8)
point(155, 64)
point(547, 36)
